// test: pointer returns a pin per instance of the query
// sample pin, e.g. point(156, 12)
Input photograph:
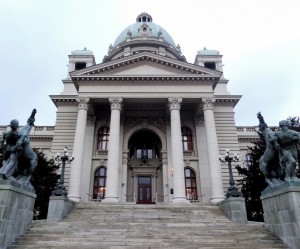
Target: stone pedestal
point(234, 208)
point(16, 211)
point(59, 207)
point(281, 207)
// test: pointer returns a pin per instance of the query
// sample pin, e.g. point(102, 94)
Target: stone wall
point(16, 211)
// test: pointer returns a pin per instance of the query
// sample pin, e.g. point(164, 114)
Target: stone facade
point(16, 211)
point(282, 212)
point(145, 95)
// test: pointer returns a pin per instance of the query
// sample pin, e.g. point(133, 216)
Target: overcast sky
point(259, 41)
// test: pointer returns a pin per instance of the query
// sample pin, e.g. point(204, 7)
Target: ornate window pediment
point(144, 30)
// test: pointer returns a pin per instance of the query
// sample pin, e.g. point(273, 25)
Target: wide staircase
point(115, 226)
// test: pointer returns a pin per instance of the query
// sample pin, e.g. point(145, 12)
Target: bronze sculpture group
point(281, 146)
point(19, 159)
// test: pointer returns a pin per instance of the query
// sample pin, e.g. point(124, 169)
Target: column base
point(74, 198)
point(111, 199)
point(217, 199)
point(180, 200)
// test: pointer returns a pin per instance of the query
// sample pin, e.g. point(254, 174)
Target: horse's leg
point(263, 166)
point(10, 166)
point(28, 153)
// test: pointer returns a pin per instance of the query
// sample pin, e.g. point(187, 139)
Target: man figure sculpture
point(272, 171)
point(19, 157)
point(286, 141)
point(10, 149)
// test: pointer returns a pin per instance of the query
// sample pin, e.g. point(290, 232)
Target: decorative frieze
point(131, 122)
point(135, 162)
point(158, 122)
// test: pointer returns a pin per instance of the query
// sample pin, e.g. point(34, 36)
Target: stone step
point(115, 226)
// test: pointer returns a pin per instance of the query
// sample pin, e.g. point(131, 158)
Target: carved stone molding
point(199, 121)
point(83, 103)
point(116, 103)
point(174, 103)
point(158, 122)
point(208, 103)
point(90, 121)
point(149, 163)
point(131, 122)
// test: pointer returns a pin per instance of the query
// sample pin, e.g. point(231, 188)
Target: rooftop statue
point(19, 158)
point(281, 144)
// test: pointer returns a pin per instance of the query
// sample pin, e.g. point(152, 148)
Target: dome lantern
point(144, 17)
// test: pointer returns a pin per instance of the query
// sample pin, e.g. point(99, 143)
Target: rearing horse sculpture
point(272, 171)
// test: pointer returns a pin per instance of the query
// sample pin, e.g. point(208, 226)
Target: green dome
point(134, 30)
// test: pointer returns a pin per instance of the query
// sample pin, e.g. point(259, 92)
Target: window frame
point(103, 138)
point(187, 139)
point(190, 191)
point(97, 183)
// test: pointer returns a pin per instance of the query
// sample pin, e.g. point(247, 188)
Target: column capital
point(83, 103)
point(208, 103)
point(174, 103)
point(115, 103)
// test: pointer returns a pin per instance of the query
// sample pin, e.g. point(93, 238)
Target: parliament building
point(145, 125)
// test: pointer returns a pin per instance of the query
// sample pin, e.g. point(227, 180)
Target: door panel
point(144, 190)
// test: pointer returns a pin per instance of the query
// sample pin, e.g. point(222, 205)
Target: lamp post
point(233, 191)
point(60, 189)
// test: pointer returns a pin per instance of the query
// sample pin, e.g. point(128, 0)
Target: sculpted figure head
point(283, 124)
point(14, 124)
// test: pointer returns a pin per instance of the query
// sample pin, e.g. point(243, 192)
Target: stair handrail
point(157, 194)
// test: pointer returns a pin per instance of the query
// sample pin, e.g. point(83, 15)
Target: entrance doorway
point(144, 190)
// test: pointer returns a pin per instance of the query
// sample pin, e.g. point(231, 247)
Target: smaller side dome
point(82, 52)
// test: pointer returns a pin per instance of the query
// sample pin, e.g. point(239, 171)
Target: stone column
point(78, 148)
point(177, 151)
point(204, 173)
point(112, 180)
point(213, 151)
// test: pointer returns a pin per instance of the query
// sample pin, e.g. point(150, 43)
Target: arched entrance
point(144, 167)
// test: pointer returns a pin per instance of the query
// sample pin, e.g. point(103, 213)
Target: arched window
point(99, 183)
point(190, 184)
point(187, 138)
point(103, 138)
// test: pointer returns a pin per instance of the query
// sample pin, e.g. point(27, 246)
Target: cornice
point(144, 56)
point(63, 99)
point(40, 138)
point(234, 99)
